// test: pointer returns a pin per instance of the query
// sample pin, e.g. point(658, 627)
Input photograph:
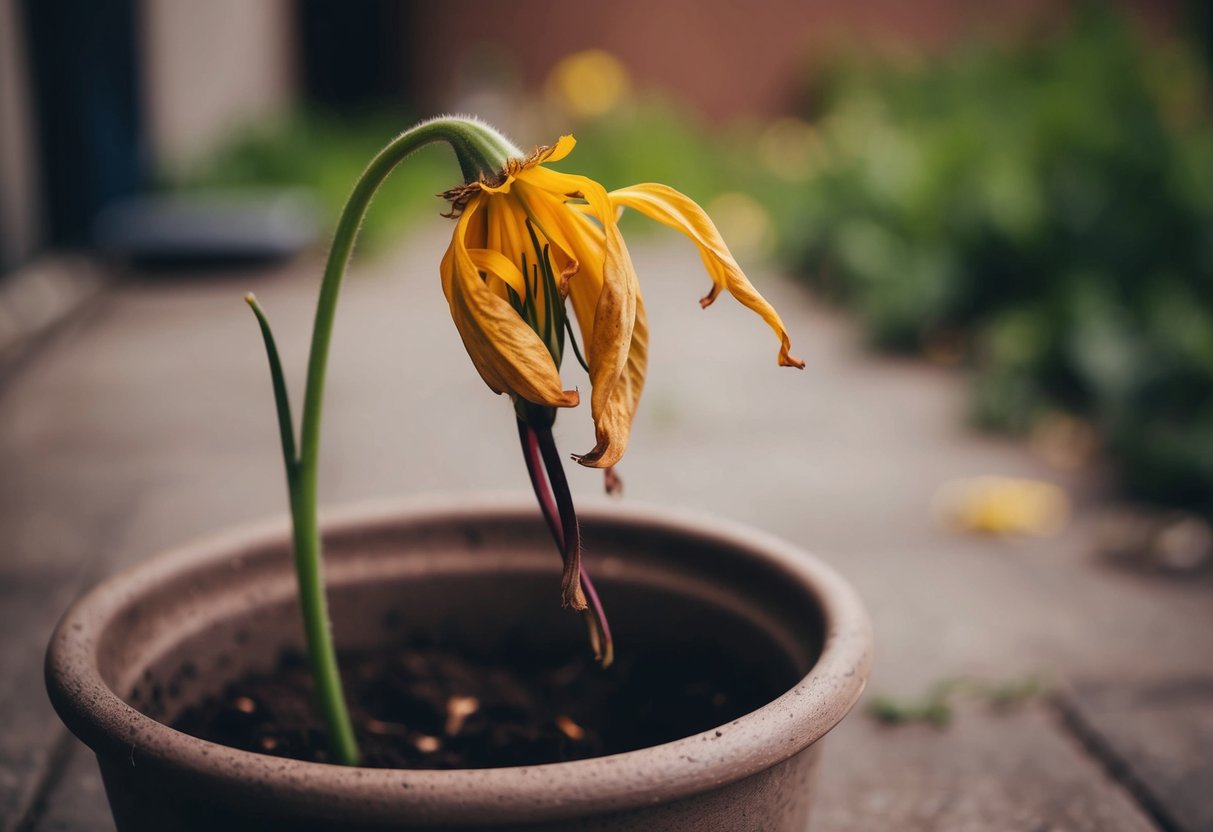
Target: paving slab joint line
point(26, 818)
point(1072, 722)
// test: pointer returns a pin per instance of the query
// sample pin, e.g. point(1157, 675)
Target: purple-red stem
point(534, 467)
point(555, 500)
point(573, 594)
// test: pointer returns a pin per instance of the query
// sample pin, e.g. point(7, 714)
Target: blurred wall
point(212, 66)
point(724, 58)
point(20, 226)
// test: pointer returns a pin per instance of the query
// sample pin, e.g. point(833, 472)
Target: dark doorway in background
point(83, 57)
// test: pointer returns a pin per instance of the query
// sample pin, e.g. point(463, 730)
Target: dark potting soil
point(426, 706)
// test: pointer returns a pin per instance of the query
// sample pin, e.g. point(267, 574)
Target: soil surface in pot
point(431, 706)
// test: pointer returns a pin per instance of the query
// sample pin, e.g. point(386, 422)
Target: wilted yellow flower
point(527, 240)
point(531, 237)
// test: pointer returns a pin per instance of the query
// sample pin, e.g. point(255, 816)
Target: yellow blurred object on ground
point(1003, 506)
point(589, 83)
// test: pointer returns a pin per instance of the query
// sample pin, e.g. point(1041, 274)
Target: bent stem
point(480, 152)
point(556, 502)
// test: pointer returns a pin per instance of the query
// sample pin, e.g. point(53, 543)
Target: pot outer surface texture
point(144, 646)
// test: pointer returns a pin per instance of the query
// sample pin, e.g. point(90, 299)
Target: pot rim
point(661, 773)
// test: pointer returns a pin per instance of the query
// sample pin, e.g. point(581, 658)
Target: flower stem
point(539, 451)
point(534, 467)
point(570, 589)
point(480, 150)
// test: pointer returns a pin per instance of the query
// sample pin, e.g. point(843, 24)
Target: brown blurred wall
point(726, 59)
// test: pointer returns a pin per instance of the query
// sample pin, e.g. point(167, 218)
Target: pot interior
point(484, 585)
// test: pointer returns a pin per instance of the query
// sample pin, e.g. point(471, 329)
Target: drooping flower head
point(528, 238)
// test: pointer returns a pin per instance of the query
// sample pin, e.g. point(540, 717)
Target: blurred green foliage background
point(1043, 213)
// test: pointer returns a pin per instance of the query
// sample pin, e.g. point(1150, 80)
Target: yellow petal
point(586, 284)
point(502, 187)
point(615, 423)
point(679, 212)
point(578, 250)
point(551, 153)
point(505, 232)
point(507, 353)
point(615, 311)
point(563, 147)
point(496, 264)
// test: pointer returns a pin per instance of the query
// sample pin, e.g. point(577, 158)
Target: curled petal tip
point(575, 599)
point(567, 274)
point(597, 457)
point(786, 359)
point(612, 482)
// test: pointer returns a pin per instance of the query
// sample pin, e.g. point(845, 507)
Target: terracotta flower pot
point(166, 633)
